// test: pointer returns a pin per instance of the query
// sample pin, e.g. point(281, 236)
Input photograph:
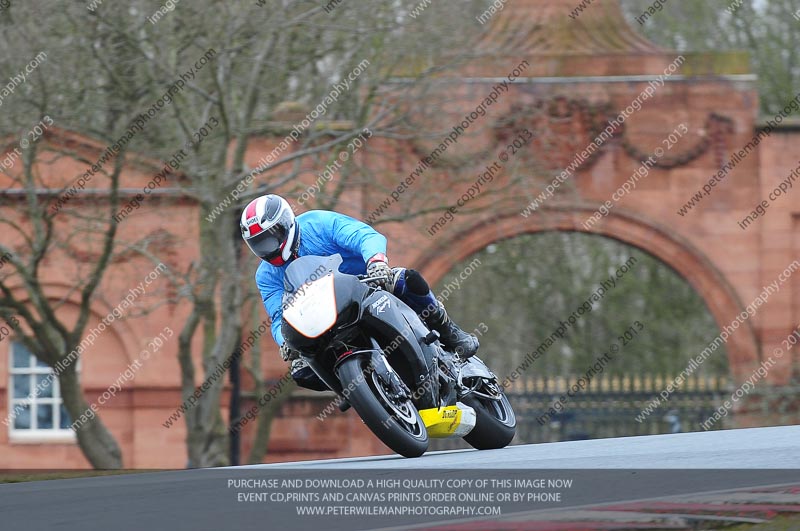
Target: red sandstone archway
point(675, 251)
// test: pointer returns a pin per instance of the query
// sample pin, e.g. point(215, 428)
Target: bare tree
point(39, 326)
point(236, 70)
point(47, 221)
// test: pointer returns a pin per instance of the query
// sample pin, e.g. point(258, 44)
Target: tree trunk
point(94, 439)
point(264, 425)
point(208, 448)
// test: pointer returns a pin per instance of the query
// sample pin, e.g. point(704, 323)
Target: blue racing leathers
point(322, 233)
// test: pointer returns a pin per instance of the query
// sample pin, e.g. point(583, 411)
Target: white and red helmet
point(270, 230)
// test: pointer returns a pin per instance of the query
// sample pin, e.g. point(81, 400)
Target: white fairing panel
point(468, 420)
point(313, 309)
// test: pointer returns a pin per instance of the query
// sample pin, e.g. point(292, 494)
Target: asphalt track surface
point(775, 447)
point(605, 471)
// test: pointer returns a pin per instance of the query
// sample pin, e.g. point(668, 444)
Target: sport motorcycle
point(378, 356)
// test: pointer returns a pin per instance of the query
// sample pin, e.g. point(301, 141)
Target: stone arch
point(666, 245)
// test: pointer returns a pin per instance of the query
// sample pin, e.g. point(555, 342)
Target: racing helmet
point(270, 230)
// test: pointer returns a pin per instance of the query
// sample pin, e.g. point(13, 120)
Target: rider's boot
point(451, 335)
point(411, 288)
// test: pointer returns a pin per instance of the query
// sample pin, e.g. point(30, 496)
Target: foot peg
point(432, 336)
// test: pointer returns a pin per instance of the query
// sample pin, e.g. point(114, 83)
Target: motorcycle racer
point(274, 234)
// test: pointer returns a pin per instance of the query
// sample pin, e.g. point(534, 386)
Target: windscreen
point(308, 269)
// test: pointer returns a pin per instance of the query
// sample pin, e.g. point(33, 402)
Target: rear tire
point(495, 423)
point(368, 403)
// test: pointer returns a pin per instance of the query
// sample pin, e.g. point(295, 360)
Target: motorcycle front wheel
point(396, 423)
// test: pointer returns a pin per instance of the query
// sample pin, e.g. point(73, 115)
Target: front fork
point(377, 362)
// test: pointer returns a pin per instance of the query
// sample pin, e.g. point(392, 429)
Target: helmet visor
point(269, 243)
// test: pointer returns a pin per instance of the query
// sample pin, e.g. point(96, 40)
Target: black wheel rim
point(403, 413)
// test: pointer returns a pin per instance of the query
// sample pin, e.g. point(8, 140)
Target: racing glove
point(288, 353)
point(378, 266)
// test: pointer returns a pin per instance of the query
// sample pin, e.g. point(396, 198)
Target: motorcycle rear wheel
point(495, 424)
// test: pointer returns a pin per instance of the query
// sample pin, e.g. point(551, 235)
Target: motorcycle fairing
point(391, 319)
point(314, 310)
point(449, 421)
point(475, 368)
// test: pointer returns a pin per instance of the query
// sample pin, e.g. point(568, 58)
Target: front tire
point(407, 438)
point(495, 422)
